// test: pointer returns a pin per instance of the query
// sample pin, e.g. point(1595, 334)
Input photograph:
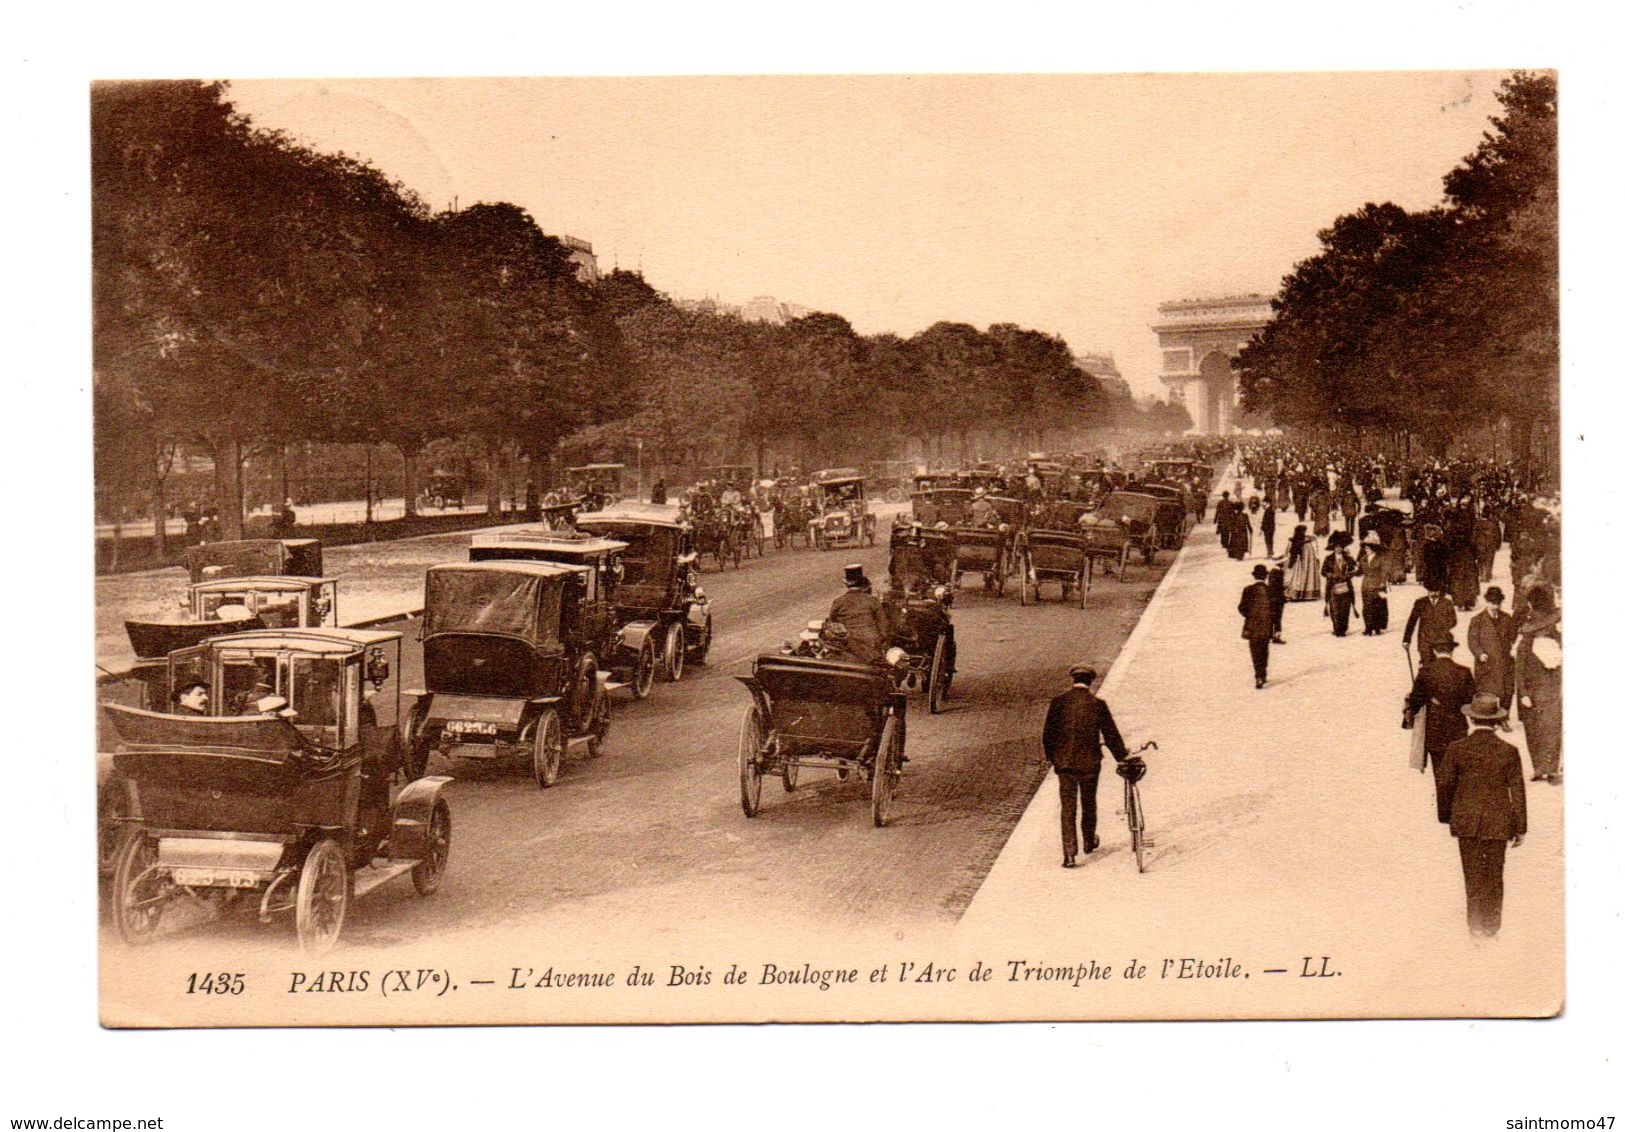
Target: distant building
point(1104, 369)
point(1199, 337)
point(581, 255)
point(763, 308)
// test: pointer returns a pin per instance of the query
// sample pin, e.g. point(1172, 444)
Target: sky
point(1072, 204)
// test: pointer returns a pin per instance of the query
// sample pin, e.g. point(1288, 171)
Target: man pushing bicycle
point(1077, 724)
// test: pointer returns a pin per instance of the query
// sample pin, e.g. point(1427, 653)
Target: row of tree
point(250, 293)
point(1431, 324)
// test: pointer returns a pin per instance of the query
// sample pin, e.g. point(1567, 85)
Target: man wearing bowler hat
point(1258, 623)
point(1490, 635)
point(1077, 723)
point(868, 626)
point(1444, 688)
point(1481, 799)
point(192, 698)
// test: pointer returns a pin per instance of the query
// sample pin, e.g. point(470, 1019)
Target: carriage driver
point(982, 512)
point(868, 625)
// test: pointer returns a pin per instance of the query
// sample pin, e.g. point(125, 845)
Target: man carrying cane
point(1076, 725)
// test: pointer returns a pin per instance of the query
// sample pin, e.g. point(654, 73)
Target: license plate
point(471, 727)
point(211, 878)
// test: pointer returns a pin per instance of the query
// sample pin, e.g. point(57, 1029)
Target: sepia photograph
point(666, 564)
point(672, 550)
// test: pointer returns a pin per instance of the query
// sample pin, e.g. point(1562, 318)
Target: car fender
point(409, 829)
point(759, 694)
point(633, 634)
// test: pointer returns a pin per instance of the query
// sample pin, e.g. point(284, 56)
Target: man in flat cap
point(1077, 724)
point(868, 625)
point(1481, 799)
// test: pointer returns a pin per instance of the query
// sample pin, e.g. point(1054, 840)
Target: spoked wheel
point(598, 725)
point(112, 807)
point(1028, 592)
point(791, 775)
point(643, 676)
point(750, 768)
point(324, 897)
point(703, 649)
point(676, 652)
point(547, 748)
point(415, 744)
point(937, 690)
point(888, 768)
point(1136, 824)
point(139, 895)
point(426, 873)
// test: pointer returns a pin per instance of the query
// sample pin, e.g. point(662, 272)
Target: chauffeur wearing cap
point(1077, 723)
point(868, 625)
point(1481, 798)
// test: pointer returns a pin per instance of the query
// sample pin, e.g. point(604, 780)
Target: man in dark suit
point(1258, 623)
point(1433, 618)
point(1076, 725)
point(1443, 687)
point(1481, 798)
point(1276, 583)
point(1490, 636)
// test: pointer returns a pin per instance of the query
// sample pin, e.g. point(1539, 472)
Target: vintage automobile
point(1150, 522)
point(604, 479)
point(243, 584)
point(919, 599)
point(891, 478)
point(444, 489)
point(989, 551)
point(1107, 543)
point(625, 647)
point(937, 499)
point(658, 596)
point(842, 515)
point(509, 669)
point(1172, 529)
point(809, 712)
point(290, 797)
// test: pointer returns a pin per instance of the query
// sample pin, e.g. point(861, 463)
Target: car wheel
point(750, 768)
point(415, 744)
point(139, 895)
point(643, 677)
point(676, 650)
point(547, 749)
point(598, 728)
point(426, 874)
point(324, 897)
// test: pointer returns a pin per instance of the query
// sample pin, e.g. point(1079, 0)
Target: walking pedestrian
point(1302, 566)
point(1257, 623)
point(1276, 582)
point(1481, 799)
point(1339, 570)
point(1432, 619)
point(1266, 527)
point(1540, 685)
point(1076, 725)
point(1490, 638)
point(1441, 689)
point(1374, 577)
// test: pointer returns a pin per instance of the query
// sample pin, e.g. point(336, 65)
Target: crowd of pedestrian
point(1367, 526)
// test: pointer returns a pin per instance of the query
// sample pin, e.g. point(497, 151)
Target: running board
point(615, 686)
point(370, 878)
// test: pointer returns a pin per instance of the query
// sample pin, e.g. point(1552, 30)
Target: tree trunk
point(228, 485)
point(409, 477)
point(160, 518)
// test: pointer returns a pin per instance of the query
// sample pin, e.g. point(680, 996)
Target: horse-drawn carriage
point(989, 549)
point(1055, 556)
point(808, 712)
point(919, 598)
point(295, 803)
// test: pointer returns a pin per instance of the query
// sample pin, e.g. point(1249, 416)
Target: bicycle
point(1131, 770)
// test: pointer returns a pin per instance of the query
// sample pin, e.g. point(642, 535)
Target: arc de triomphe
point(1198, 338)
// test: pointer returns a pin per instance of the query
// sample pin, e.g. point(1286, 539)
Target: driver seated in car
point(982, 512)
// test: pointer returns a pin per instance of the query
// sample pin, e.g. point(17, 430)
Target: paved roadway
point(650, 838)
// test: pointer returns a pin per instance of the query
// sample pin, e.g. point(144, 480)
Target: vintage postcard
point(827, 549)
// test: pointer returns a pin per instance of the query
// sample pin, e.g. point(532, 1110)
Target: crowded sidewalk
point(1289, 825)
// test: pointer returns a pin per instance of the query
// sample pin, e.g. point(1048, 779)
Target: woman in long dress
point(1540, 685)
point(1302, 566)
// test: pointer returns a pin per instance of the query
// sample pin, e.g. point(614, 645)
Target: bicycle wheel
point(1136, 825)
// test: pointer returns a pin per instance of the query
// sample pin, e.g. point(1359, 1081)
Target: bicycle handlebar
point(1148, 745)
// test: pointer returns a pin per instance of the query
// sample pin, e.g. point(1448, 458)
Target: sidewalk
point(1288, 825)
